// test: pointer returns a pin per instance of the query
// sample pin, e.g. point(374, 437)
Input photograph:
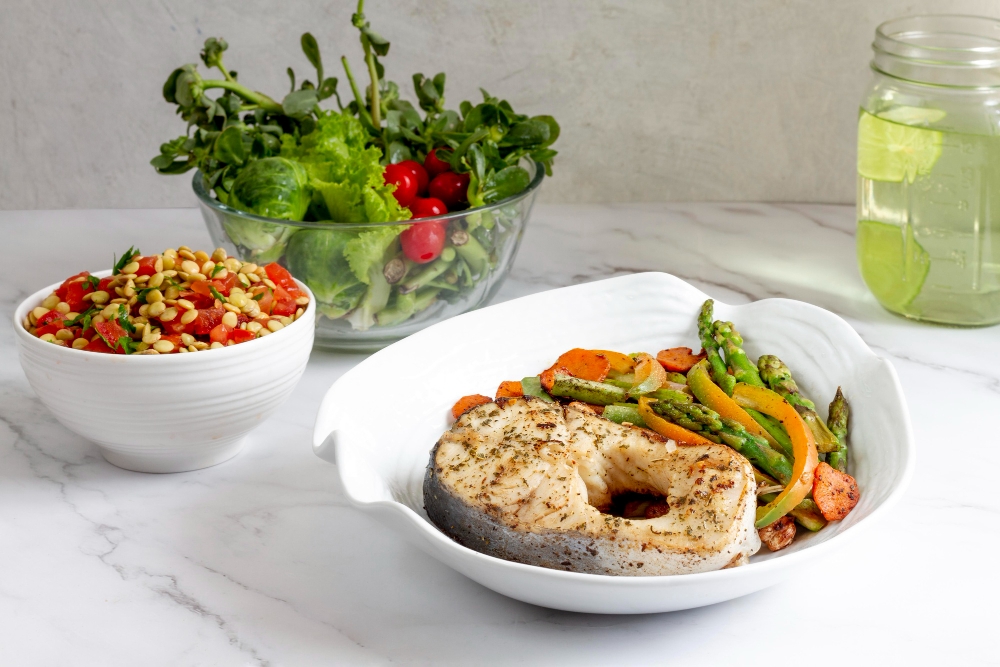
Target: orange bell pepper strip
point(669, 429)
point(710, 394)
point(803, 446)
point(621, 364)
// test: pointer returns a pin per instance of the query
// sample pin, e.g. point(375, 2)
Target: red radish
point(426, 208)
point(419, 173)
point(451, 188)
point(435, 166)
point(423, 241)
point(405, 182)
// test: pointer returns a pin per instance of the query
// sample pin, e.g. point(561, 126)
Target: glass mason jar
point(929, 170)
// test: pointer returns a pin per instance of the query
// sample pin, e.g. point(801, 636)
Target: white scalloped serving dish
point(381, 443)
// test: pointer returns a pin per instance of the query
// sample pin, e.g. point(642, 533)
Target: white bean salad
point(178, 301)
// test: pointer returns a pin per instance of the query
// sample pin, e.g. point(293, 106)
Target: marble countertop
point(260, 561)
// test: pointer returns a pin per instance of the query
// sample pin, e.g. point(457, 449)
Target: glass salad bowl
point(368, 293)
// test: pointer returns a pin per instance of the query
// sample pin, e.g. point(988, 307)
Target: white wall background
point(659, 100)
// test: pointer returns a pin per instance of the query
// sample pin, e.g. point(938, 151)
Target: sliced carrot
point(548, 376)
point(510, 389)
point(679, 359)
point(835, 493)
point(466, 403)
point(585, 364)
point(621, 364)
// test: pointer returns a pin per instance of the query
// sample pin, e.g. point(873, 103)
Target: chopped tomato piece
point(199, 300)
point(74, 295)
point(110, 332)
point(220, 334)
point(284, 303)
point(105, 285)
point(147, 266)
point(175, 339)
point(241, 335)
point(223, 285)
point(98, 345)
point(280, 276)
point(61, 291)
point(48, 317)
point(50, 328)
point(266, 300)
point(202, 287)
point(208, 319)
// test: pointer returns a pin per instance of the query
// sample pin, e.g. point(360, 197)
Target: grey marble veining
point(259, 561)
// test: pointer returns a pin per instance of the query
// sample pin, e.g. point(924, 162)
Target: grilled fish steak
point(526, 480)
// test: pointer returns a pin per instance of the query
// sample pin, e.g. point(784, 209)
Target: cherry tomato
point(435, 166)
point(405, 182)
point(419, 173)
point(451, 188)
point(426, 208)
point(423, 241)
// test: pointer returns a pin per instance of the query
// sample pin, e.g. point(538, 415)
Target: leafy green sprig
point(225, 132)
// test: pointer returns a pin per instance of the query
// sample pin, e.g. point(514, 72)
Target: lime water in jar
point(929, 170)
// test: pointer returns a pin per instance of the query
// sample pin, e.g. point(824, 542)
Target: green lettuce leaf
point(368, 249)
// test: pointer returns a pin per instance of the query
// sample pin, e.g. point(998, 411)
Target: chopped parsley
point(123, 319)
point(125, 259)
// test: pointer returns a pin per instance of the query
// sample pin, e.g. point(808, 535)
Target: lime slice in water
point(893, 264)
point(888, 151)
point(912, 115)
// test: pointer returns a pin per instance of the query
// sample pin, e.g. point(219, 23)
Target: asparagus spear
point(731, 342)
point(708, 423)
point(744, 370)
point(532, 386)
point(706, 332)
point(837, 422)
point(588, 391)
point(624, 412)
point(776, 374)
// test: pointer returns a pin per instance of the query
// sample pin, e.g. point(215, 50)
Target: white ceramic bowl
point(166, 413)
point(381, 447)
